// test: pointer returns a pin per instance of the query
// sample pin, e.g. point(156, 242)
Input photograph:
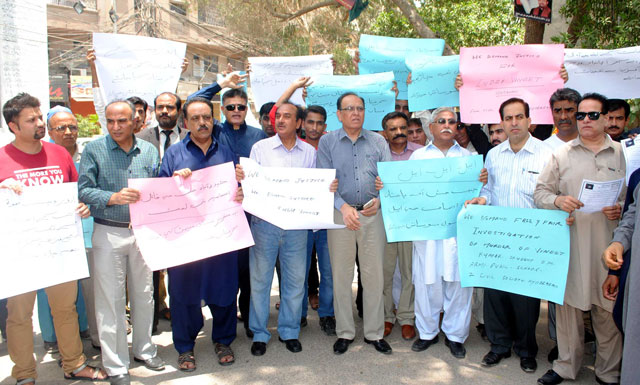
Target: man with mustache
point(496, 134)
point(212, 280)
point(395, 125)
point(513, 166)
point(618, 118)
point(167, 132)
point(564, 104)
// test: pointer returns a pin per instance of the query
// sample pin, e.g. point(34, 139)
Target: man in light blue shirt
point(284, 149)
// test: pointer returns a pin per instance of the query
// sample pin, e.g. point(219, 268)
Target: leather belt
point(358, 207)
point(106, 222)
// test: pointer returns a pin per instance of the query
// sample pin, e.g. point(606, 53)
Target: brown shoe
point(388, 326)
point(408, 332)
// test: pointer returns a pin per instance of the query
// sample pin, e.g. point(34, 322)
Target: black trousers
point(244, 285)
point(510, 321)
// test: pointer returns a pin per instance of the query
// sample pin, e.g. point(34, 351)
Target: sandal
point(186, 358)
point(96, 374)
point(224, 351)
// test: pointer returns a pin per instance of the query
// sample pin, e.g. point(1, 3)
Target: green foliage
point(88, 126)
point(602, 24)
point(462, 23)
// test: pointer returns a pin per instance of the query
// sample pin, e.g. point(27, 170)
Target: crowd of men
point(521, 171)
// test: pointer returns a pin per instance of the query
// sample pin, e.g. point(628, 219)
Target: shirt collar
point(113, 145)
point(343, 134)
point(432, 146)
point(277, 142)
point(608, 142)
point(529, 146)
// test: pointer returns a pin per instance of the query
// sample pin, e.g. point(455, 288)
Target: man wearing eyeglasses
point(236, 134)
point(513, 166)
point(354, 153)
point(593, 156)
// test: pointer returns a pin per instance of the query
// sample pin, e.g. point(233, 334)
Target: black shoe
point(421, 345)
point(341, 345)
point(457, 349)
point(328, 325)
point(493, 359)
point(303, 322)
point(553, 354)
point(528, 364)
point(258, 348)
point(293, 345)
point(381, 345)
point(96, 347)
point(550, 378)
point(599, 381)
point(483, 332)
point(248, 332)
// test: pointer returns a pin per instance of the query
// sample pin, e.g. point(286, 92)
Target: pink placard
point(492, 75)
point(178, 220)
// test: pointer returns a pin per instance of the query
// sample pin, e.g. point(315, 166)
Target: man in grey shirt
point(354, 153)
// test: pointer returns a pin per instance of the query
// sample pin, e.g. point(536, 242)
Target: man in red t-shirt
point(27, 161)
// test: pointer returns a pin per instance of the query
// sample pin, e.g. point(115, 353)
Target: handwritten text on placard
point(181, 220)
point(421, 198)
point(432, 80)
point(522, 251)
point(42, 235)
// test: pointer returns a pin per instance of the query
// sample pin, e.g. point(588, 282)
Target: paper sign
point(24, 59)
point(178, 220)
point(613, 73)
point(631, 151)
point(375, 89)
point(382, 54)
point(290, 198)
point(492, 75)
point(130, 65)
point(421, 198)
point(42, 238)
point(522, 251)
point(597, 195)
point(270, 76)
point(432, 80)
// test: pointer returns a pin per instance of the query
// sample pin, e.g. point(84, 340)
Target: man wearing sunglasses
point(593, 156)
point(514, 167)
point(240, 137)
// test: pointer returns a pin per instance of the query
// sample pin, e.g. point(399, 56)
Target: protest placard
point(432, 81)
point(375, 89)
point(130, 65)
point(631, 151)
point(522, 251)
point(383, 53)
point(181, 220)
point(421, 198)
point(287, 197)
point(270, 76)
point(613, 73)
point(24, 58)
point(42, 234)
point(492, 75)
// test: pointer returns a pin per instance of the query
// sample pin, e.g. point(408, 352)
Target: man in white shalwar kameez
point(435, 263)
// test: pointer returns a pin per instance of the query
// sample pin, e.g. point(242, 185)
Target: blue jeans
point(326, 280)
point(46, 320)
point(291, 246)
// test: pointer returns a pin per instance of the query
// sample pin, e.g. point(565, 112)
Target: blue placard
point(375, 89)
point(432, 81)
point(522, 251)
point(421, 198)
point(383, 53)
point(87, 231)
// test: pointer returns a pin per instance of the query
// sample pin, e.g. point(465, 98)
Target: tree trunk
point(533, 32)
point(411, 13)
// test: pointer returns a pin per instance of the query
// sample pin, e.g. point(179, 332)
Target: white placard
point(270, 76)
point(631, 151)
point(597, 195)
point(24, 59)
point(41, 237)
point(130, 65)
point(290, 198)
point(613, 73)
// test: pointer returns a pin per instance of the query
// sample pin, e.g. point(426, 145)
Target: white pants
point(447, 296)
point(115, 257)
point(477, 304)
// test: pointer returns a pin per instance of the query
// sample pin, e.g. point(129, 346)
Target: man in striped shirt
point(514, 167)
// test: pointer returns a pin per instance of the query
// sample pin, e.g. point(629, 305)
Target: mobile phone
point(368, 204)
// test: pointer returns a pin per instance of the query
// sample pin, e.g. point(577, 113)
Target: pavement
point(317, 364)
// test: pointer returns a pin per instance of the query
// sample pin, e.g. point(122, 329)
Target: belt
point(358, 207)
point(106, 222)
